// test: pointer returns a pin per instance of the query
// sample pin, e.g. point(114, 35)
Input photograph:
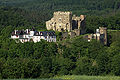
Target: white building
point(32, 35)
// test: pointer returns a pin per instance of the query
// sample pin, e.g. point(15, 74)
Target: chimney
point(39, 33)
point(27, 31)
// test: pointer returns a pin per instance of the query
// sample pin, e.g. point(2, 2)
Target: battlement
point(102, 28)
point(81, 17)
point(63, 13)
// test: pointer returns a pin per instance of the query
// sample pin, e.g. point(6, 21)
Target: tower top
point(61, 12)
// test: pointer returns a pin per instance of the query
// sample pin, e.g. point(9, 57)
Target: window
point(62, 29)
point(60, 19)
point(59, 25)
point(50, 25)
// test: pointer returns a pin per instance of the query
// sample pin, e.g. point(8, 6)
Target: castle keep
point(64, 21)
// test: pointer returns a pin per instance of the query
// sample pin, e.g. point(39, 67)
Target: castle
point(65, 22)
point(73, 25)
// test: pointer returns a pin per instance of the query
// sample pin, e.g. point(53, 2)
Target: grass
point(109, 30)
point(31, 79)
point(75, 77)
point(88, 77)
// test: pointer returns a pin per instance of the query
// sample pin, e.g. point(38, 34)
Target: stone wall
point(101, 35)
point(64, 21)
point(61, 21)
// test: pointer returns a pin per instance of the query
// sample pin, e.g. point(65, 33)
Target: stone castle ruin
point(72, 25)
point(100, 35)
point(65, 22)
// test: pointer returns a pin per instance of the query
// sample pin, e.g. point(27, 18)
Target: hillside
point(70, 57)
point(74, 56)
point(17, 18)
point(77, 6)
point(99, 12)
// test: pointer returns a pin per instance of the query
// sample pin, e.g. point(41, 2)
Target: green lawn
point(31, 79)
point(76, 78)
point(88, 78)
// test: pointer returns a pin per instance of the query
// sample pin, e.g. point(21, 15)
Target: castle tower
point(64, 21)
point(78, 23)
point(61, 21)
point(103, 35)
point(82, 24)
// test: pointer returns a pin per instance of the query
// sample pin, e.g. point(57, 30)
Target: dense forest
point(69, 57)
point(45, 8)
point(75, 6)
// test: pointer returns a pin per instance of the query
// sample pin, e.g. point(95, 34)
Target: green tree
point(116, 65)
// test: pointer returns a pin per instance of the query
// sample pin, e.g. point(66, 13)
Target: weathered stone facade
point(64, 21)
point(60, 21)
point(78, 24)
point(101, 35)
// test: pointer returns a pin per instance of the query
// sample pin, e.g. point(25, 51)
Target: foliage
point(69, 57)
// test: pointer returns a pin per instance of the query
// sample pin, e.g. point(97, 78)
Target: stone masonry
point(65, 22)
point(101, 35)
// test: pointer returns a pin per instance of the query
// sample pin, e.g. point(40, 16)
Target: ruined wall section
point(103, 35)
point(78, 24)
point(61, 21)
point(65, 22)
point(50, 24)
